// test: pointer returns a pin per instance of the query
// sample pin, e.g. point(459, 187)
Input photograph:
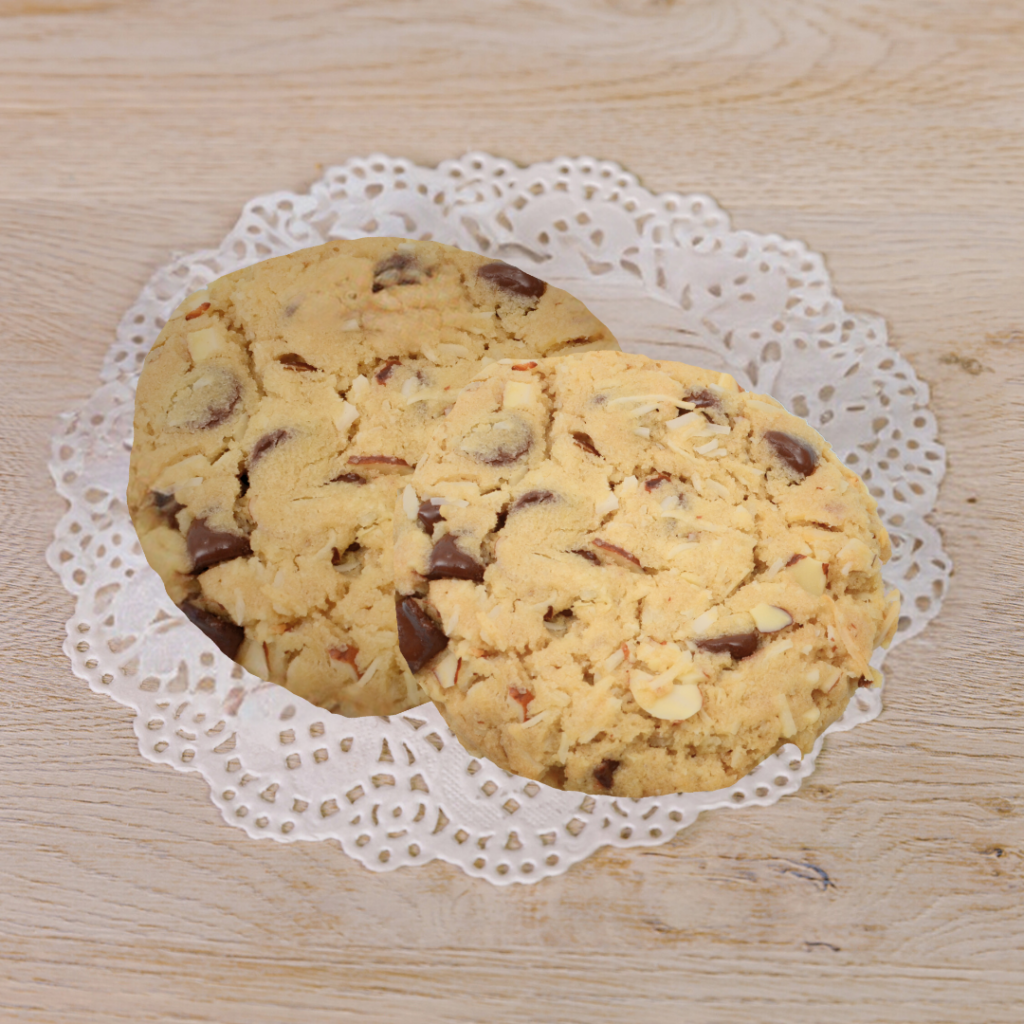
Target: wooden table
point(891, 138)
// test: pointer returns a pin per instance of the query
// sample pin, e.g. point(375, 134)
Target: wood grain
point(888, 136)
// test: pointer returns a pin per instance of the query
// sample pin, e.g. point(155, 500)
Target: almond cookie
point(278, 414)
point(630, 577)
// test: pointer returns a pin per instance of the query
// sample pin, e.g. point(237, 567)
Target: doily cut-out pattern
point(673, 279)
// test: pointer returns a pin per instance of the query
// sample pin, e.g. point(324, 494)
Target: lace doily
point(672, 279)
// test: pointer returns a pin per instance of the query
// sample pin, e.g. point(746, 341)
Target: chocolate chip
point(168, 506)
point(224, 633)
point(429, 516)
point(512, 279)
point(208, 547)
point(220, 411)
point(586, 442)
point(349, 478)
point(265, 444)
point(703, 399)
point(293, 361)
point(505, 455)
point(386, 370)
point(243, 483)
point(797, 454)
point(419, 636)
point(449, 562)
point(588, 555)
point(398, 269)
point(604, 773)
point(531, 498)
point(737, 645)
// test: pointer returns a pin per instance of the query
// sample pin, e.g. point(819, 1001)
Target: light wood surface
point(889, 136)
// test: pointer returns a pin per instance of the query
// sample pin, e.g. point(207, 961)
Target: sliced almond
point(253, 658)
point(683, 701)
point(190, 302)
point(786, 717)
point(446, 671)
point(348, 415)
point(769, 618)
point(810, 575)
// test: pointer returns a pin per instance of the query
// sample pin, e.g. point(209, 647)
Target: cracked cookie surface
point(278, 414)
point(630, 577)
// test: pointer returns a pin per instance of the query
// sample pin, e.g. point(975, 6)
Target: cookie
point(630, 577)
point(278, 414)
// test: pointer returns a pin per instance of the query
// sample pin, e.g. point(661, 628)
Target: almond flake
point(410, 503)
point(684, 421)
point(348, 415)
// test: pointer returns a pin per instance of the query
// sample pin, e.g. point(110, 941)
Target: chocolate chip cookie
point(630, 577)
point(277, 416)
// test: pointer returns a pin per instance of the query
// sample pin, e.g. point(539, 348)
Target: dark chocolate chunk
point(221, 410)
point(797, 454)
point(224, 633)
point(703, 399)
point(588, 555)
point(419, 636)
point(531, 498)
point(737, 645)
point(586, 442)
point(449, 562)
point(429, 516)
point(506, 454)
point(512, 279)
point(265, 444)
point(604, 773)
point(348, 478)
point(243, 483)
point(386, 370)
point(398, 269)
point(208, 547)
point(501, 520)
point(168, 506)
point(293, 361)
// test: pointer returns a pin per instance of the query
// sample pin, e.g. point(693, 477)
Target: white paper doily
point(672, 279)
